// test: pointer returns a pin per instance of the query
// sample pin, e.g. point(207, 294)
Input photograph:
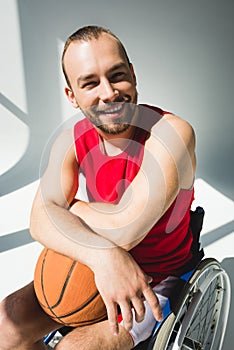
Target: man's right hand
point(122, 283)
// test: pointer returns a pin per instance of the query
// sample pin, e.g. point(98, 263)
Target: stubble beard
point(115, 128)
point(119, 125)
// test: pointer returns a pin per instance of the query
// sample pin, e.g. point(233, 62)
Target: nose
point(107, 92)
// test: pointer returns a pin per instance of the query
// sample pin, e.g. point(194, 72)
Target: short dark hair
point(85, 34)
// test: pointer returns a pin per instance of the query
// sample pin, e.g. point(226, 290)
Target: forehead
point(95, 54)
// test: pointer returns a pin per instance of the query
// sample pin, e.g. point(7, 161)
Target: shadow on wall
point(216, 234)
point(14, 240)
point(39, 50)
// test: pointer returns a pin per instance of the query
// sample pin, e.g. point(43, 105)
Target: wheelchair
point(198, 318)
point(196, 315)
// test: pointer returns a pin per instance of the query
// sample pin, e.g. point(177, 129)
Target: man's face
point(103, 83)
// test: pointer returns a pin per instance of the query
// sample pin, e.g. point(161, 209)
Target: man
point(134, 234)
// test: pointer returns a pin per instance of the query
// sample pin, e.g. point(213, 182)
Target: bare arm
point(57, 228)
point(168, 165)
point(52, 223)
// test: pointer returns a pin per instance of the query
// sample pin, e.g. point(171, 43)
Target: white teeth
point(112, 110)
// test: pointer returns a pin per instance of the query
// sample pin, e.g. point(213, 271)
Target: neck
point(115, 144)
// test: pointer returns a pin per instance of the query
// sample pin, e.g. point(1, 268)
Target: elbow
point(130, 238)
point(33, 226)
point(127, 247)
point(35, 220)
point(133, 243)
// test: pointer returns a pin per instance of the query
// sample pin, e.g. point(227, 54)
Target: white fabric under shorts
point(142, 330)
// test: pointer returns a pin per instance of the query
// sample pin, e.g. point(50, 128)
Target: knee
point(9, 332)
point(12, 325)
point(5, 321)
point(63, 345)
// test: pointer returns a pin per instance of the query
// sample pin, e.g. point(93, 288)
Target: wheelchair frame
point(199, 317)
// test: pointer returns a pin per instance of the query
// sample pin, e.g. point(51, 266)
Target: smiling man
point(100, 84)
point(139, 164)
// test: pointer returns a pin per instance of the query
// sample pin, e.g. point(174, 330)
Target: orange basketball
point(66, 290)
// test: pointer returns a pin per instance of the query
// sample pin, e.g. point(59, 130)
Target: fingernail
point(116, 331)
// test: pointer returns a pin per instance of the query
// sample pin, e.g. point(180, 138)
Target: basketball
point(66, 290)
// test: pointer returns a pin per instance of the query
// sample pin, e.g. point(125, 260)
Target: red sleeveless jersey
point(166, 248)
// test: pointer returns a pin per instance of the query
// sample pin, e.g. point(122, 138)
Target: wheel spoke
point(199, 320)
point(207, 314)
point(191, 344)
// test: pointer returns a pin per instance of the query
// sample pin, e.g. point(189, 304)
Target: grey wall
point(183, 56)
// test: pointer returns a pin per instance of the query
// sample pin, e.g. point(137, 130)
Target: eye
point(89, 84)
point(118, 76)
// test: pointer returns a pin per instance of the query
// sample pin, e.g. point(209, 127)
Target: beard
point(116, 125)
point(114, 128)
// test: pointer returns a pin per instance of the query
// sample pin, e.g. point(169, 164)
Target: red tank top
point(166, 248)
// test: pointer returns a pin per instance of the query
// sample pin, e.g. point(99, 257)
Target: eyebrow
point(117, 66)
point(83, 78)
point(86, 77)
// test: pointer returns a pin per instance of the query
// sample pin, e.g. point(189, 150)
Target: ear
point(133, 74)
point(71, 97)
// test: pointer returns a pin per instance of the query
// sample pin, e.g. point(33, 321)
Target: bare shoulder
point(62, 151)
point(64, 143)
point(64, 138)
point(174, 127)
point(183, 127)
point(60, 176)
point(173, 139)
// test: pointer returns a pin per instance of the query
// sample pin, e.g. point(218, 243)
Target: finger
point(127, 315)
point(112, 315)
point(139, 308)
point(153, 302)
point(149, 279)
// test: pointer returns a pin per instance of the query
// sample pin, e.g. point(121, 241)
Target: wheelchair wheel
point(199, 319)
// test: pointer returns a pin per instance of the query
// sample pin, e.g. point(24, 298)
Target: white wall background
point(183, 56)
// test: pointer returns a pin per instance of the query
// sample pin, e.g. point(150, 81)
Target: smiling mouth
point(113, 110)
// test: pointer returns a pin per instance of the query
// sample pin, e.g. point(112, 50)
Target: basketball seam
point(64, 285)
point(82, 306)
point(85, 322)
point(59, 318)
point(43, 290)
